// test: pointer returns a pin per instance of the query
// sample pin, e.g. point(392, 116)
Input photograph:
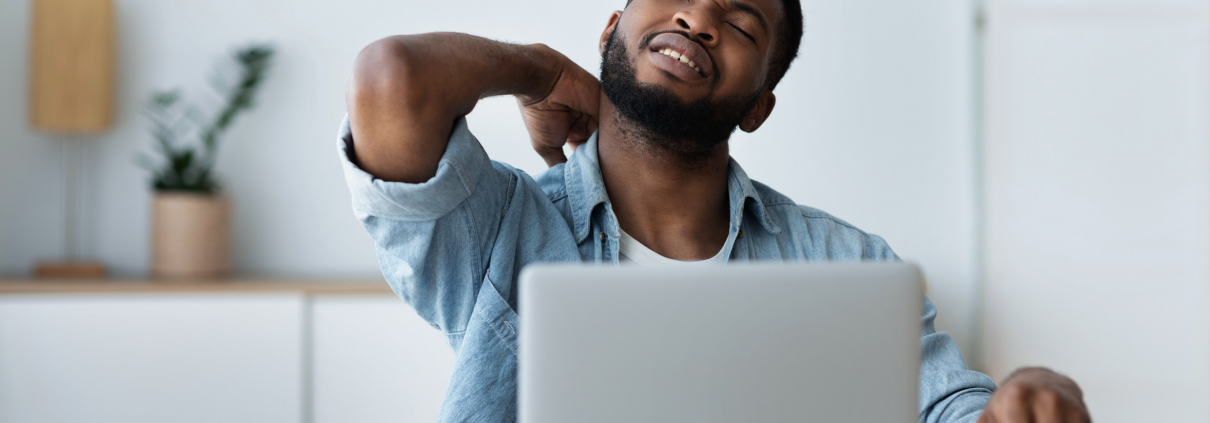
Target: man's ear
point(609, 28)
point(759, 113)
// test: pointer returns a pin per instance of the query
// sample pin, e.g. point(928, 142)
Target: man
point(655, 183)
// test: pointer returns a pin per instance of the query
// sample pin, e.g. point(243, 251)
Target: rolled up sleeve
point(949, 392)
point(433, 238)
point(461, 167)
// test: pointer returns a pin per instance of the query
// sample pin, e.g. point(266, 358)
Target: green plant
point(186, 140)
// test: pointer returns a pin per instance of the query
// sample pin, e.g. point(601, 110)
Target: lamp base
point(69, 270)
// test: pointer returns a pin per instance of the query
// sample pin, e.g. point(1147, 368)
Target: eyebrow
point(749, 9)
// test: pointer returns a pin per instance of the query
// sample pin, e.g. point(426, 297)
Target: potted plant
point(191, 233)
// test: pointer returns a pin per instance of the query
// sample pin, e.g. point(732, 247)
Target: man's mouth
point(680, 50)
point(681, 58)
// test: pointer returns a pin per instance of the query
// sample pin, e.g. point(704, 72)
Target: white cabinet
point(150, 357)
point(219, 354)
point(375, 360)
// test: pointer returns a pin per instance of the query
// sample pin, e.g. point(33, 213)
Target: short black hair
point(786, 47)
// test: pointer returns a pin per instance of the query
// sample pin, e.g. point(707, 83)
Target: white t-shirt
point(631, 250)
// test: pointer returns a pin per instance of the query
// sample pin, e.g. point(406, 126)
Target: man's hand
point(1036, 395)
point(566, 115)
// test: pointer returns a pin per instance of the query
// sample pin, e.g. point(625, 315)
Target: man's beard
point(654, 116)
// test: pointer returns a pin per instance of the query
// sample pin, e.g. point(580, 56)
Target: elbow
point(382, 75)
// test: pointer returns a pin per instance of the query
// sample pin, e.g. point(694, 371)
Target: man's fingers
point(593, 125)
point(1063, 414)
point(1018, 414)
point(551, 155)
point(588, 96)
point(567, 115)
point(1013, 404)
point(1067, 412)
point(1048, 407)
point(575, 145)
point(581, 129)
point(1026, 406)
point(1076, 415)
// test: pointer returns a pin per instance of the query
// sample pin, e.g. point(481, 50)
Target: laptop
point(737, 343)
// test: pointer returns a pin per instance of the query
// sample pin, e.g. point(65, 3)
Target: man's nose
point(699, 23)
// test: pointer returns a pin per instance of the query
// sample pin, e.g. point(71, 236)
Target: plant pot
point(191, 236)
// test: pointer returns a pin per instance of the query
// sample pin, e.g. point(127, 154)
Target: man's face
point(689, 68)
point(729, 41)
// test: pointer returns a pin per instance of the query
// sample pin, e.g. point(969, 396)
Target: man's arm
point(421, 183)
point(407, 91)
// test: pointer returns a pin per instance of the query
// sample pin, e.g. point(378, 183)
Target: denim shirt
point(452, 248)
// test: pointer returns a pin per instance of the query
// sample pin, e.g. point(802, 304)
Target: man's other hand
point(1036, 395)
point(567, 114)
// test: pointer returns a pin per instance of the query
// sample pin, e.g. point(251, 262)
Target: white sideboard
point(375, 361)
point(249, 351)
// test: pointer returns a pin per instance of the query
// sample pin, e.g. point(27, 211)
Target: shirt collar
point(586, 191)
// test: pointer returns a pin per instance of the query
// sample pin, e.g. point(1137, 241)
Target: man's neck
point(679, 210)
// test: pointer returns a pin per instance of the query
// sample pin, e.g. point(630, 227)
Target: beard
point(656, 118)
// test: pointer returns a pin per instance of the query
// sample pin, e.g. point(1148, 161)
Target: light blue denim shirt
point(452, 248)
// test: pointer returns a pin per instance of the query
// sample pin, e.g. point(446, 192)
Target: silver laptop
point(736, 343)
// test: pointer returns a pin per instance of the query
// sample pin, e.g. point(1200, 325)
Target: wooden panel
point(71, 69)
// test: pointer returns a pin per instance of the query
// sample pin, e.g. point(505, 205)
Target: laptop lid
point(743, 342)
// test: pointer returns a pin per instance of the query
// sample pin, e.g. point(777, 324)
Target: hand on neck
point(672, 199)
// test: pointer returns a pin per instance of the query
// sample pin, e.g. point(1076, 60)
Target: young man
point(655, 183)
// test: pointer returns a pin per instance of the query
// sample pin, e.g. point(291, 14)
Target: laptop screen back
point(737, 343)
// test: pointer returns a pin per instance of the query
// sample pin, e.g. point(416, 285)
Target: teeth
point(683, 59)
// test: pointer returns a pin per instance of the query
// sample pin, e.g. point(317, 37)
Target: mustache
point(647, 43)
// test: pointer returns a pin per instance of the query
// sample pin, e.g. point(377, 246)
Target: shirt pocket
point(497, 315)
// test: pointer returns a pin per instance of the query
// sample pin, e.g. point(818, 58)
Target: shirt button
point(741, 233)
point(602, 235)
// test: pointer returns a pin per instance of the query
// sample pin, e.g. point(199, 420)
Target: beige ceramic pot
point(191, 236)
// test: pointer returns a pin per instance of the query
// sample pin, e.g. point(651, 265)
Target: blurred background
point(1046, 162)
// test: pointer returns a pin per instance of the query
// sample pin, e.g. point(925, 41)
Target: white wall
point(1098, 199)
point(873, 124)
